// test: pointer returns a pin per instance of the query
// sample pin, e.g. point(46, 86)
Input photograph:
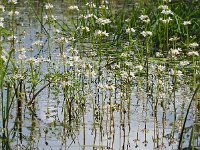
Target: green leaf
point(4, 31)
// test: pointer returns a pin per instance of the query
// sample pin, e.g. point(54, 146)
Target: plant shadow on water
point(99, 75)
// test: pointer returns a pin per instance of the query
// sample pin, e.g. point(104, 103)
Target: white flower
point(160, 68)
point(193, 53)
point(12, 37)
point(179, 73)
point(163, 7)
point(124, 74)
point(144, 18)
point(132, 74)
point(4, 58)
point(93, 74)
point(12, 1)
point(11, 13)
point(22, 56)
point(103, 21)
point(160, 82)
point(2, 8)
point(146, 33)
point(103, 7)
point(56, 30)
point(167, 12)
point(91, 4)
point(194, 45)
point(166, 0)
point(22, 50)
point(124, 54)
point(174, 39)
point(37, 43)
point(127, 20)
point(101, 33)
point(48, 6)
point(18, 76)
point(1, 21)
point(85, 28)
point(158, 54)
point(166, 20)
point(88, 16)
point(73, 8)
point(52, 17)
point(175, 51)
point(140, 67)
point(184, 63)
point(186, 23)
point(62, 40)
point(171, 72)
point(32, 60)
point(128, 30)
point(1, 24)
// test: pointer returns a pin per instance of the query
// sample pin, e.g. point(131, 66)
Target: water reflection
point(84, 109)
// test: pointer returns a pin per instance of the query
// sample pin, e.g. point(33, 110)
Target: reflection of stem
point(95, 136)
point(107, 123)
point(155, 129)
point(36, 94)
point(174, 101)
point(194, 73)
point(32, 131)
point(19, 110)
point(84, 132)
point(181, 136)
point(124, 131)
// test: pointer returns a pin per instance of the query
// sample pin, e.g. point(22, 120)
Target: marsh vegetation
point(115, 74)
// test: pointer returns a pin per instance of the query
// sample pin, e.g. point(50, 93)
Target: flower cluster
point(166, 20)
point(175, 52)
point(103, 21)
point(184, 63)
point(84, 28)
point(146, 33)
point(50, 17)
point(88, 16)
point(128, 30)
point(22, 55)
point(109, 87)
point(1, 21)
point(193, 53)
point(73, 8)
point(160, 68)
point(12, 1)
point(37, 43)
point(185, 23)
point(144, 18)
point(165, 10)
point(101, 33)
point(194, 45)
point(48, 6)
point(91, 4)
point(173, 39)
point(2, 8)
point(11, 13)
point(12, 37)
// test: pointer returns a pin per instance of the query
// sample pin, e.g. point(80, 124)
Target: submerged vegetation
point(99, 74)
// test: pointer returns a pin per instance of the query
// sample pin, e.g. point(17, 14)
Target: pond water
point(70, 90)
